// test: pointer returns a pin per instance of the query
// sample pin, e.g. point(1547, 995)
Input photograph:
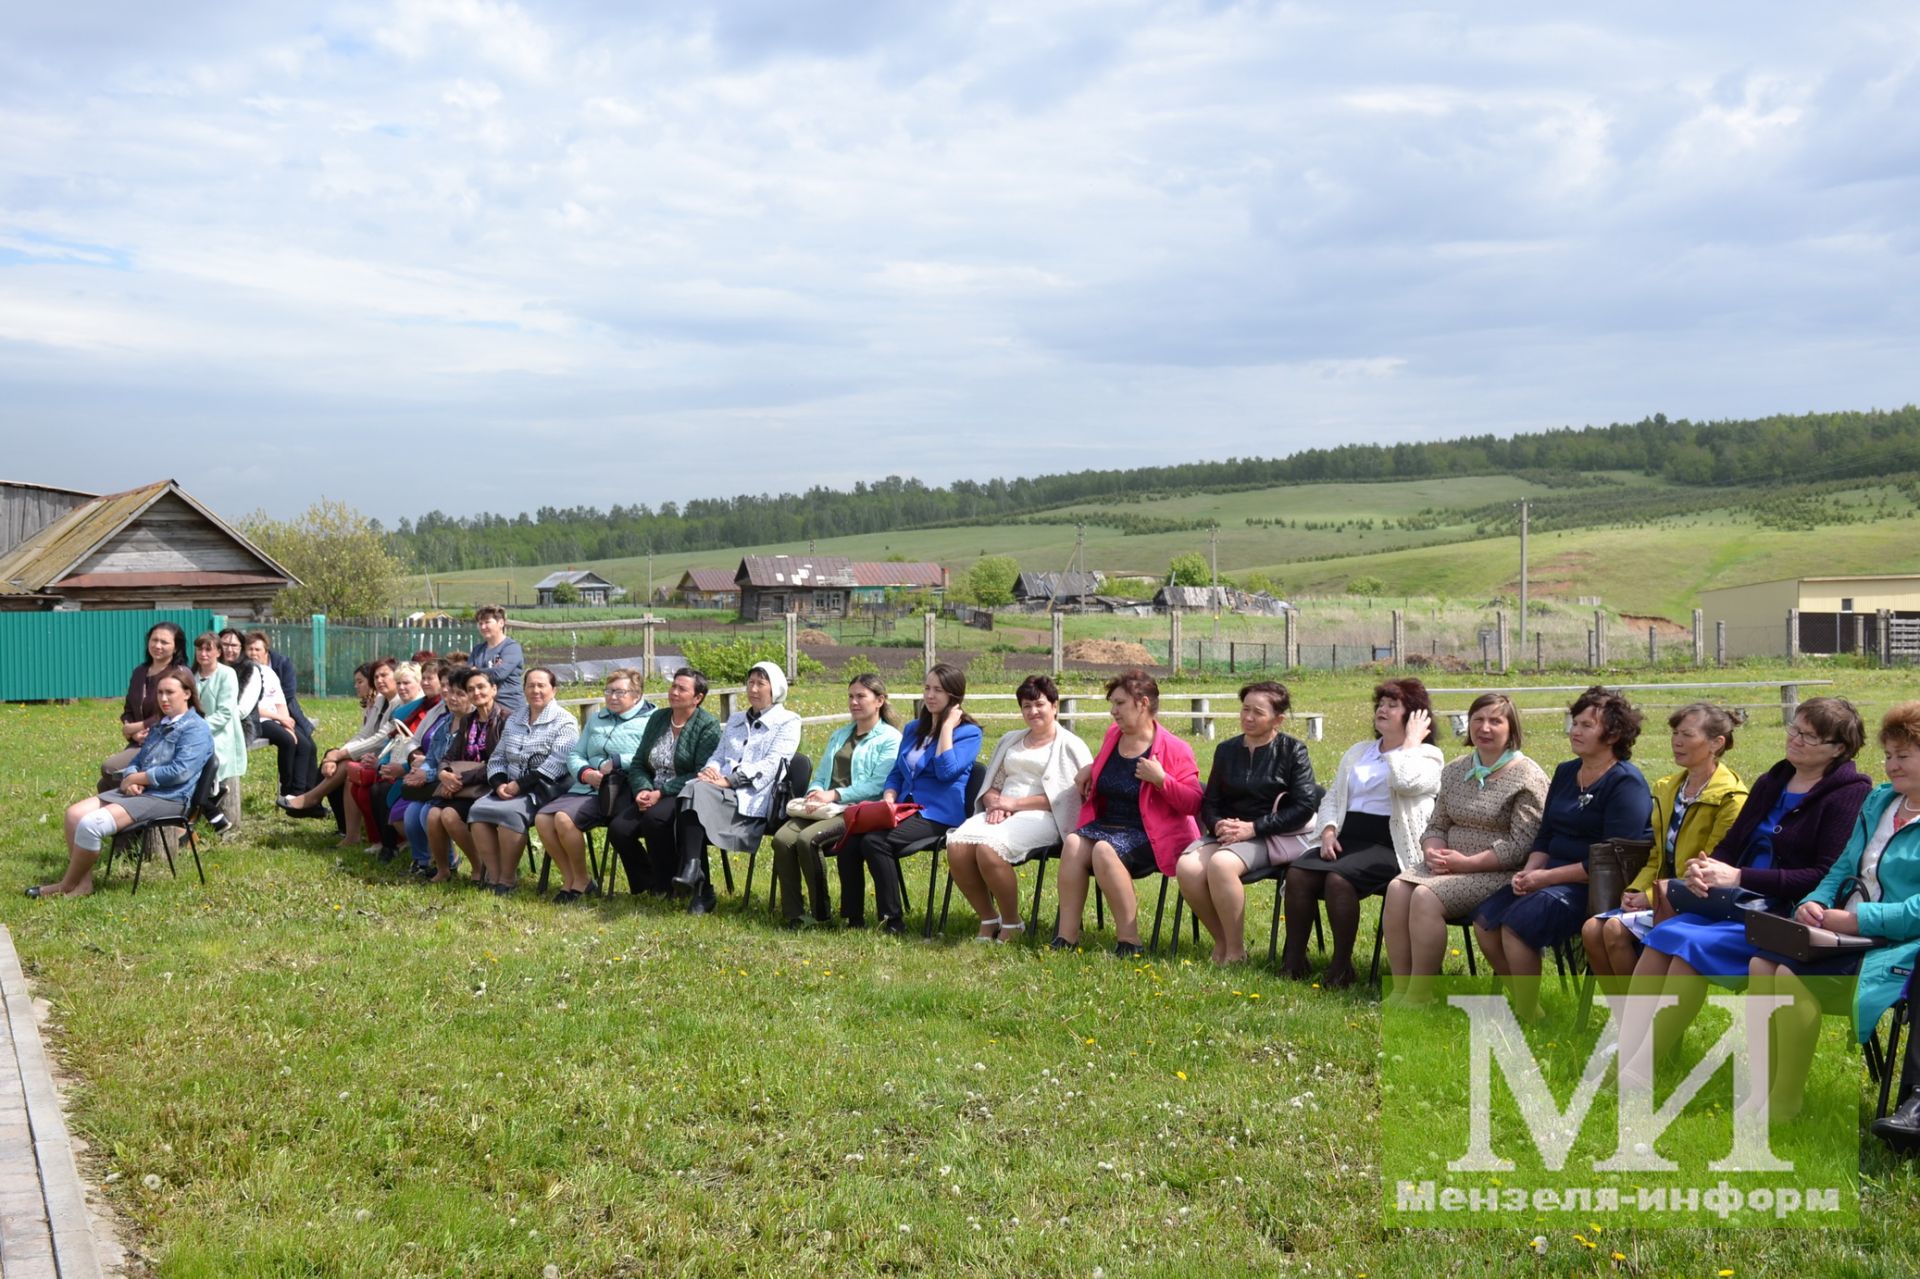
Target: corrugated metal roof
point(709, 580)
point(61, 546)
point(577, 576)
point(898, 573)
point(796, 570)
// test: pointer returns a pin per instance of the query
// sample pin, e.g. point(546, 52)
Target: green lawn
point(333, 1071)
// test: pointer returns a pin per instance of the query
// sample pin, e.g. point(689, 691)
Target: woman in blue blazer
point(935, 757)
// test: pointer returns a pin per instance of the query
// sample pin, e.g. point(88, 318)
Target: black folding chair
point(600, 863)
point(937, 844)
point(1379, 936)
point(796, 776)
point(153, 830)
point(1888, 1061)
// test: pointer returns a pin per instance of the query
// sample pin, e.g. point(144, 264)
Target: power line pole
point(1523, 572)
point(649, 582)
point(1213, 549)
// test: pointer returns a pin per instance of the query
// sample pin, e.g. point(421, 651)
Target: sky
point(478, 256)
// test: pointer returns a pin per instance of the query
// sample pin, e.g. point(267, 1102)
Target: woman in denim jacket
point(160, 783)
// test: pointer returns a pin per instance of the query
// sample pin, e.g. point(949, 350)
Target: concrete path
point(45, 1230)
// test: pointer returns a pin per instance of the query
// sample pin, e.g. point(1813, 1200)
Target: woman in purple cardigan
point(1793, 827)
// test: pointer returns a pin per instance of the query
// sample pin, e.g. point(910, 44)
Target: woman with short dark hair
point(1029, 799)
point(1597, 795)
point(165, 649)
point(462, 777)
point(1256, 814)
point(280, 723)
point(1370, 822)
point(527, 765)
point(676, 745)
point(500, 655)
point(1138, 796)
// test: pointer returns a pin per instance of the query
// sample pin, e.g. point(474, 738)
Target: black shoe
point(797, 924)
point(689, 876)
point(1127, 949)
point(702, 904)
point(1061, 943)
point(564, 896)
point(591, 890)
point(893, 927)
point(1901, 1129)
point(504, 890)
point(856, 923)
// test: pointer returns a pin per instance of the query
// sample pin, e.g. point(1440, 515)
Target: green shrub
point(728, 661)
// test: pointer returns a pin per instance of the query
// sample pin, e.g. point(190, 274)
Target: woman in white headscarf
point(727, 802)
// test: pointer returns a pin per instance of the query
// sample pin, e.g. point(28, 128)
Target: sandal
point(1007, 931)
point(993, 936)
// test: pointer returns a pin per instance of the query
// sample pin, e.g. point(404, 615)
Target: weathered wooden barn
point(707, 588)
point(150, 547)
point(810, 585)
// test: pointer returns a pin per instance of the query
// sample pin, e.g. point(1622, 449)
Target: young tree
point(566, 593)
point(339, 555)
point(1190, 570)
point(990, 581)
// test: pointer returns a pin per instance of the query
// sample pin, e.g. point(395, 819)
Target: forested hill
point(1792, 448)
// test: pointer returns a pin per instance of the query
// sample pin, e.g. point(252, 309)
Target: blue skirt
point(1129, 842)
point(1711, 947)
point(1541, 919)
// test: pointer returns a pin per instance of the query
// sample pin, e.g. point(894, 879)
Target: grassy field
point(1655, 569)
point(313, 1066)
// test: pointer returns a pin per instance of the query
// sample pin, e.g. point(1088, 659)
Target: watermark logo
point(1667, 1104)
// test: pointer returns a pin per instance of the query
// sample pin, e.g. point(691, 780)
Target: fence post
point(1399, 639)
point(927, 647)
point(1500, 624)
point(1539, 653)
point(1789, 702)
point(1069, 712)
point(1202, 722)
point(646, 644)
point(793, 646)
point(1593, 660)
point(1059, 644)
point(1290, 659)
point(1883, 634)
point(1720, 642)
point(319, 654)
point(1860, 635)
point(1599, 637)
point(1233, 655)
point(1653, 648)
point(1699, 637)
point(1173, 641)
point(1793, 635)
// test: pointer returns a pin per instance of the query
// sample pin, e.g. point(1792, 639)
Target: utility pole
point(1079, 549)
point(1213, 549)
point(649, 583)
point(1523, 571)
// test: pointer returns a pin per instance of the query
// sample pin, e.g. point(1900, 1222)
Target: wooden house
point(25, 509)
point(1055, 590)
point(594, 590)
point(875, 579)
point(810, 585)
point(707, 588)
point(150, 547)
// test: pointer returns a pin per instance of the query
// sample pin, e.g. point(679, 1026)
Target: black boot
point(690, 873)
point(1901, 1129)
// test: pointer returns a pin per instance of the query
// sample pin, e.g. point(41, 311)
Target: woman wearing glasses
point(606, 745)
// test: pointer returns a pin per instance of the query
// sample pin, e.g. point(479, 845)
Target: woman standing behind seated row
point(1029, 799)
point(166, 649)
point(1480, 831)
point(1257, 811)
point(931, 767)
point(1596, 795)
point(1140, 795)
point(1370, 825)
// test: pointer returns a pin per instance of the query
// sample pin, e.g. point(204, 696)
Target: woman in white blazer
point(1369, 824)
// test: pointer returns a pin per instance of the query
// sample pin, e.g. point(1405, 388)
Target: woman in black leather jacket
point(1256, 814)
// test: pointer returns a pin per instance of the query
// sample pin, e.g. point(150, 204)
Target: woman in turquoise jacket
point(609, 739)
point(853, 768)
point(1873, 890)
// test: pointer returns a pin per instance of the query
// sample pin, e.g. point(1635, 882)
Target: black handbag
point(1728, 903)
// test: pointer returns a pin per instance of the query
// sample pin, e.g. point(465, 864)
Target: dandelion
point(1539, 1245)
point(1725, 1274)
point(1181, 1075)
point(1619, 1256)
point(550, 1271)
point(364, 1214)
point(151, 1181)
point(905, 1229)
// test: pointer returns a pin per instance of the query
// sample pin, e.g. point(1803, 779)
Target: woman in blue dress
point(1597, 795)
point(1872, 890)
point(1795, 822)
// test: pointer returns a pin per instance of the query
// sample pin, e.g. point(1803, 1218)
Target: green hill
point(1648, 551)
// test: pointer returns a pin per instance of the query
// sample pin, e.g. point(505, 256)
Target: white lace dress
point(1022, 832)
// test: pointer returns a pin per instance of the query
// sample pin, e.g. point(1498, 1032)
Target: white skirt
point(1013, 840)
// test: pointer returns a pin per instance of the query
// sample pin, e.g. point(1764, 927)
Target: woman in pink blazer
point(1140, 794)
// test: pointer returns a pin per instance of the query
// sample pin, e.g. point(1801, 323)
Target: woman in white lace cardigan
point(727, 802)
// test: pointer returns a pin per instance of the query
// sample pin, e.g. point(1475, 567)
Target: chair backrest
point(205, 789)
point(799, 776)
point(786, 787)
point(975, 780)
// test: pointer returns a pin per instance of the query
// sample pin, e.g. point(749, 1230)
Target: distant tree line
point(1703, 454)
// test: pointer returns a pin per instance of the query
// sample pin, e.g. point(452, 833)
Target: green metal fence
point(49, 656)
point(325, 654)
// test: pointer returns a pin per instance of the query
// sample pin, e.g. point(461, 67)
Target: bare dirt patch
point(1665, 628)
point(1109, 652)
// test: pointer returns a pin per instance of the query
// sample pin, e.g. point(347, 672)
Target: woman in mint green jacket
point(852, 768)
point(220, 704)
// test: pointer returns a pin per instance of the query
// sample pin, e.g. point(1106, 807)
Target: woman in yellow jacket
point(1692, 812)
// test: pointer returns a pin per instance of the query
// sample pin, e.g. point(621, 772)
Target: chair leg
point(1889, 1066)
point(1099, 910)
point(933, 870)
point(1273, 931)
point(1319, 933)
point(1580, 1015)
point(546, 869)
point(1173, 939)
point(193, 845)
point(1033, 913)
point(726, 870)
point(1153, 946)
point(753, 857)
point(1467, 947)
point(166, 848)
point(1379, 935)
point(140, 860)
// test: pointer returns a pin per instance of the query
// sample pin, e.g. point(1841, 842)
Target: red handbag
point(872, 815)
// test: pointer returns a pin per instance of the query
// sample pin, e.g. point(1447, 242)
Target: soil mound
point(1109, 652)
point(810, 638)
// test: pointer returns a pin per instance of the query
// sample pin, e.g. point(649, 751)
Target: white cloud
point(942, 238)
